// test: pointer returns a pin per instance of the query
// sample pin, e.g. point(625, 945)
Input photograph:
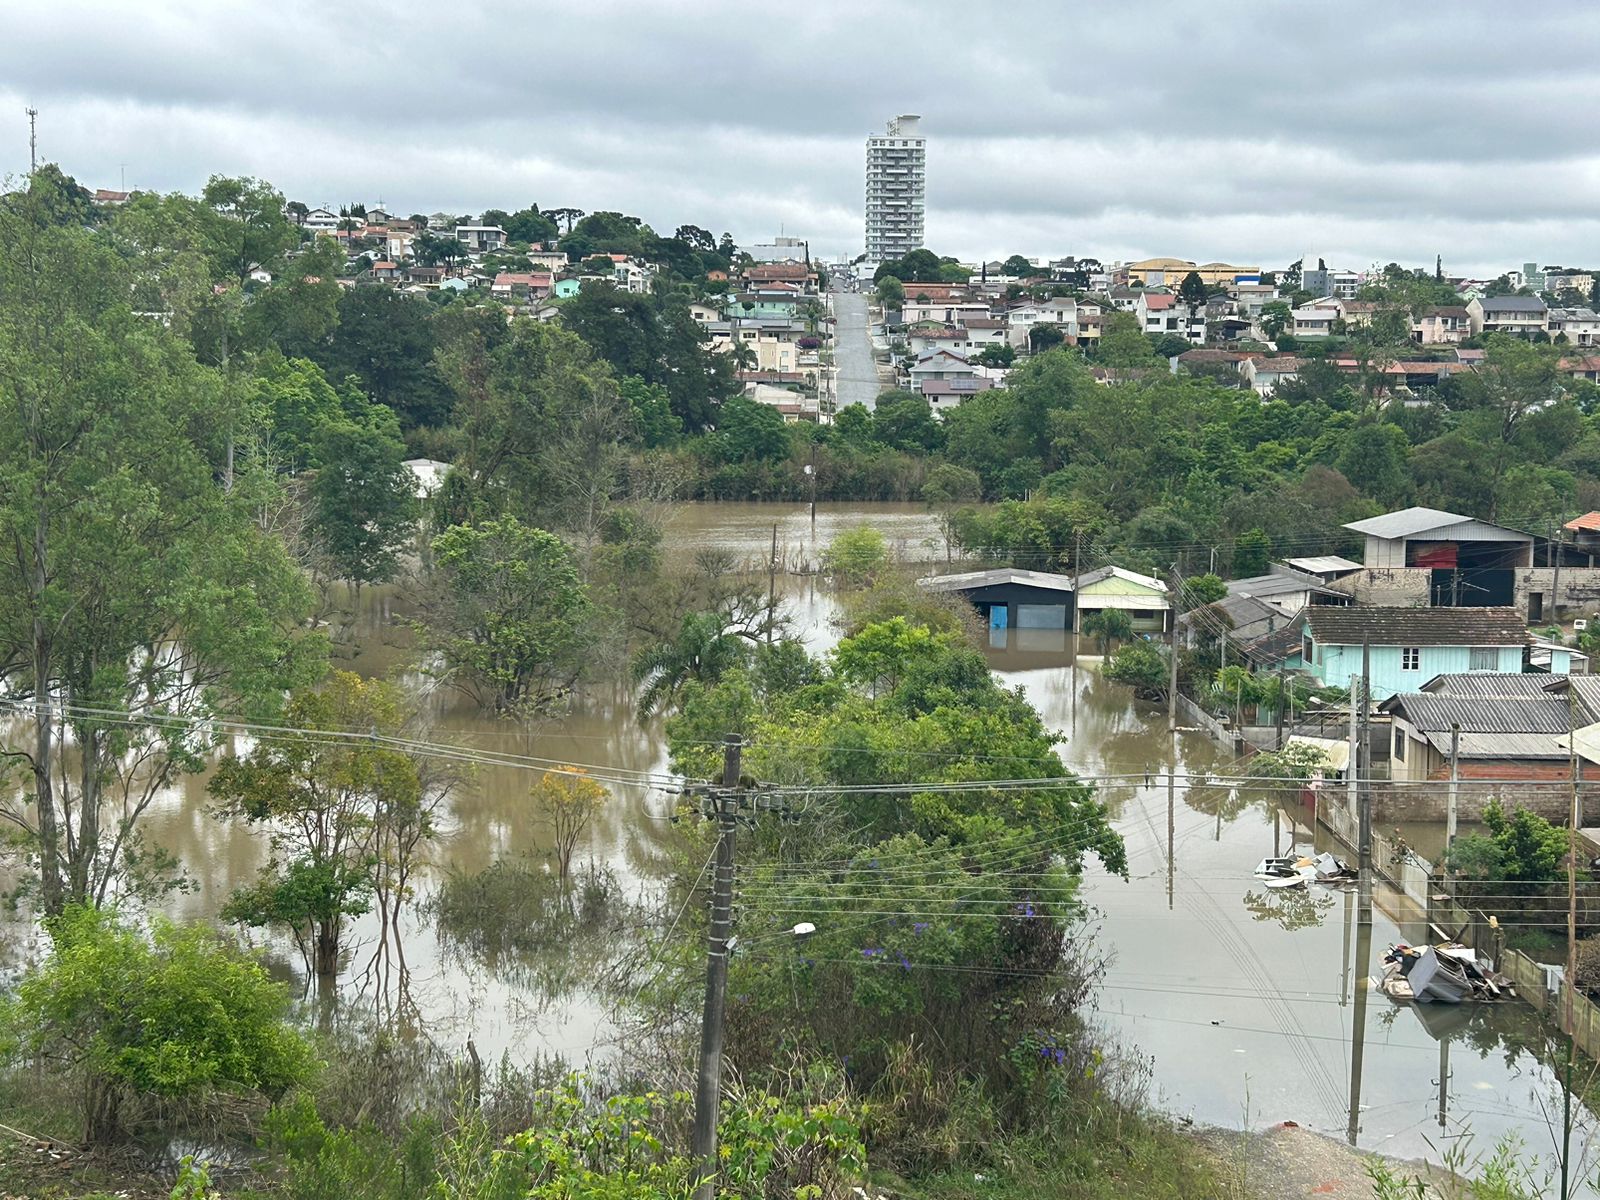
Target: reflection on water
point(1250, 1001)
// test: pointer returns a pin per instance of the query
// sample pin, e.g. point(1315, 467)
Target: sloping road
point(857, 375)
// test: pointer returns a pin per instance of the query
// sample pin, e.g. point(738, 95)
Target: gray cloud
point(1240, 130)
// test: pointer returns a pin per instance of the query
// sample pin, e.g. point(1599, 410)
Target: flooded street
point(1221, 982)
point(1217, 981)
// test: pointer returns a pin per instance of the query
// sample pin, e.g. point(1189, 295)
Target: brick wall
point(1431, 802)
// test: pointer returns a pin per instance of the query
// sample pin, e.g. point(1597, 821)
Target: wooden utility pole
point(708, 1088)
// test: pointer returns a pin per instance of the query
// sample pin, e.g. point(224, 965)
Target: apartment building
point(896, 176)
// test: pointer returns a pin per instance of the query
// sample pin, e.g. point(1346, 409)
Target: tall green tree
point(508, 615)
point(250, 228)
point(135, 583)
point(363, 500)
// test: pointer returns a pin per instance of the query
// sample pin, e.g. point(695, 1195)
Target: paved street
point(857, 376)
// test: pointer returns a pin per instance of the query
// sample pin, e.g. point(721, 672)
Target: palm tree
point(704, 650)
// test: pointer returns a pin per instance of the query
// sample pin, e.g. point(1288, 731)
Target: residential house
point(1325, 568)
point(1314, 320)
point(1407, 646)
point(1061, 312)
point(1010, 598)
point(1519, 316)
point(799, 273)
point(397, 245)
point(385, 271)
point(1500, 726)
point(1247, 630)
point(631, 275)
point(1251, 298)
point(948, 312)
point(541, 259)
point(379, 216)
point(939, 364)
point(565, 289)
point(1162, 312)
point(1442, 325)
point(110, 198)
point(1265, 374)
point(320, 220)
point(1573, 326)
point(1357, 314)
point(520, 287)
point(481, 239)
point(1143, 597)
point(944, 394)
point(1286, 590)
point(1584, 367)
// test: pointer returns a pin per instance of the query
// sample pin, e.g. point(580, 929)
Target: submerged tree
point(336, 799)
point(568, 798)
point(507, 613)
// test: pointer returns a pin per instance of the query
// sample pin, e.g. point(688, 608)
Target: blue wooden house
point(1410, 646)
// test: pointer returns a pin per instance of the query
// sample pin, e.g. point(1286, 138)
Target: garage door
point(1041, 616)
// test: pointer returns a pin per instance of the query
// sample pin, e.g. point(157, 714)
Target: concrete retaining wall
point(1191, 714)
point(1394, 587)
point(1580, 590)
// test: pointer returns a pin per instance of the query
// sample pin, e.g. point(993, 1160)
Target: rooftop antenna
point(33, 140)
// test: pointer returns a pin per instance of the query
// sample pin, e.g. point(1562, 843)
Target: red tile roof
point(1588, 523)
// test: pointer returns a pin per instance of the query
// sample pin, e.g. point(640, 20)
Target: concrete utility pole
point(1172, 653)
point(1555, 579)
point(1361, 766)
point(708, 1089)
point(1364, 774)
point(772, 583)
point(1283, 702)
point(1571, 973)
point(1455, 788)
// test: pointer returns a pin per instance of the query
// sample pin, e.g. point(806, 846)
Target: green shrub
point(173, 1014)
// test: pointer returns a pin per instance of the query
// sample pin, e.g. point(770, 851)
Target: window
point(1483, 658)
point(1410, 658)
point(1399, 744)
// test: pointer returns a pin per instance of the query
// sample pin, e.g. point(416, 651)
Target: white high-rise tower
point(896, 172)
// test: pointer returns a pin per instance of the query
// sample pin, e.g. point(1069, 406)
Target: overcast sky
point(1209, 129)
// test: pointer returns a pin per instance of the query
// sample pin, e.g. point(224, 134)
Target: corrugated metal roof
point(1444, 526)
point(1334, 625)
point(1488, 685)
point(1406, 522)
point(1278, 583)
point(1503, 745)
point(1545, 714)
point(1108, 572)
point(1320, 563)
point(971, 580)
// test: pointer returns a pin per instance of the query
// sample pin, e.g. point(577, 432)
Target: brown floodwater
point(1245, 1001)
